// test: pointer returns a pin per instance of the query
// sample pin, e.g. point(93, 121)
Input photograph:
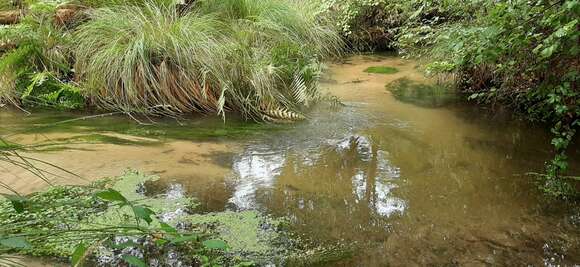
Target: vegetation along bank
point(260, 60)
point(519, 54)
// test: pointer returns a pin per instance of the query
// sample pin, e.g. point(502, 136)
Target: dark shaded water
point(418, 180)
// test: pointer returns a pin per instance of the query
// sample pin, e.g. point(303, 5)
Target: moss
point(246, 232)
point(128, 185)
point(381, 70)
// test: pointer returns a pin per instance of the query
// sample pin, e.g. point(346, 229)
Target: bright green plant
point(382, 70)
point(64, 221)
point(61, 222)
point(36, 71)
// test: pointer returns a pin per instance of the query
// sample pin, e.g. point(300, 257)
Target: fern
point(36, 61)
point(47, 91)
point(299, 89)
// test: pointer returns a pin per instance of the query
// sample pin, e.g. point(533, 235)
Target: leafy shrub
point(365, 24)
point(35, 71)
point(518, 53)
point(388, 25)
point(524, 55)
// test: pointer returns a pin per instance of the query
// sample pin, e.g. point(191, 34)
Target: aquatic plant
point(76, 221)
point(109, 222)
point(381, 70)
point(66, 221)
point(259, 58)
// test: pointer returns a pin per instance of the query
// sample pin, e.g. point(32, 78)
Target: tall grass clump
point(258, 58)
point(109, 3)
point(144, 57)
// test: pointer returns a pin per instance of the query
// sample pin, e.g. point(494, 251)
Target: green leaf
point(134, 261)
point(18, 202)
point(168, 228)
point(143, 213)
point(161, 242)
point(111, 195)
point(14, 242)
point(185, 238)
point(79, 255)
point(215, 244)
point(548, 51)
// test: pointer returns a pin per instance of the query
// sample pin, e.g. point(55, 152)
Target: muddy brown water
point(404, 183)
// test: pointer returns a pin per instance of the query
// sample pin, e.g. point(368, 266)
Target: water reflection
point(442, 186)
point(255, 169)
point(372, 175)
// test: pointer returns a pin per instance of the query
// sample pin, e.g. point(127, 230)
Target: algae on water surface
point(248, 234)
point(382, 70)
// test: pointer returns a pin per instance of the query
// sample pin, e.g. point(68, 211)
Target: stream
point(409, 176)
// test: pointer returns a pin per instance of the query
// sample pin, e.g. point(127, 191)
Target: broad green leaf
point(14, 242)
point(548, 51)
point(143, 213)
point(215, 244)
point(79, 255)
point(134, 261)
point(111, 195)
point(168, 228)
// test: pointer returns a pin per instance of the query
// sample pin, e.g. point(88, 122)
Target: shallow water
point(402, 181)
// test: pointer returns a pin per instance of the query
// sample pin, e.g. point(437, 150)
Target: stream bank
point(408, 180)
